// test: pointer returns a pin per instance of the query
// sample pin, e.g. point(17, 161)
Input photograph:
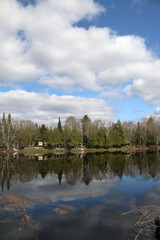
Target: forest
point(74, 133)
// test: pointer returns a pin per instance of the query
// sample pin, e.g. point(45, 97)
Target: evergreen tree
point(49, 135)
point(151, 132)
point(93, 140)
point(25, 137)
point(116, 137)
point(86, 122)
point(56, 136)
point(59, 125)
point(102, 137)
point(75, 138)
point(43, 132)
point(65, 135)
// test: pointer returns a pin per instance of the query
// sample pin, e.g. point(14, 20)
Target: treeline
point(78, 132)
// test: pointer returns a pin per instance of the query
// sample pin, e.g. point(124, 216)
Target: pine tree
point(43, 132)
point(26, 137)
point(85, 128)
point(116, 137)
point(56, 136)
point(59, 125)
point(151, 132)
point(93, 140)
point(75, 138)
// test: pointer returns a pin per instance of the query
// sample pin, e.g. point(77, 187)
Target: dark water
point(77, 197)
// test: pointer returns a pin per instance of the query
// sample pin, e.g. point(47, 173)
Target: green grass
point(35, 150)
point(133, 149)
point(40, 150)
point(126, 149)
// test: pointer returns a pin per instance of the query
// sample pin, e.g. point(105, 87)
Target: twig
point(147, 221)
point(136, 237)
point(125, 213)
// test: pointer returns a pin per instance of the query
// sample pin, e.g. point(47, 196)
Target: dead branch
point(149, 219)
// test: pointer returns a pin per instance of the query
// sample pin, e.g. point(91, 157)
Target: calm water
point(77, 197)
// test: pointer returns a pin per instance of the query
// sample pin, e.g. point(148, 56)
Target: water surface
point(76, 197)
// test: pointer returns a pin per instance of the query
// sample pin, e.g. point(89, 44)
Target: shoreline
point(125, 149)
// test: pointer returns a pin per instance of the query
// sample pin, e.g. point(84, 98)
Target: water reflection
point(76, 195)
point(77, 169)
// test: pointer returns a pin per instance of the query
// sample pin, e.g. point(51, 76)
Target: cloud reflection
point(48, 189)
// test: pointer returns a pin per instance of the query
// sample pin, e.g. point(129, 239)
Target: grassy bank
point(133, 149)
point(125, 149)
point(35, 150)
point(42, 151)
point(88, 150)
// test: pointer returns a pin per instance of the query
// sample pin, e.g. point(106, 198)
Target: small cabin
point(39, 143)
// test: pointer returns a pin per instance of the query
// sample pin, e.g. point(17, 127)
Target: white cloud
point(112, 93)
point(155, 115)
point(147, 83)
point(45, 108)
point(56, 53)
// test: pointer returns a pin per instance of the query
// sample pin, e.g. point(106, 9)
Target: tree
point(128, 128)
point(56, 136)
point(72, 122)
point(65, 135)
point(71, 137)
point(93, 140)
point(43, 132)
point(86, 122)
point(137, 136)
point(8, 131)
point(151, 132)
point(33, 128)
point(157, 131)
point(59, 125)
point(97, 134)
point(25, 137)
point(75, 138)
point(116, 137)
point(102, 137)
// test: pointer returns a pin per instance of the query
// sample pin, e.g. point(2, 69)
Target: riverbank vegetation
point(80, 135)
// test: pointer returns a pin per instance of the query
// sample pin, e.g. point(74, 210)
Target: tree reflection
point(117, 163)
point(76, 169)
point(7, 172)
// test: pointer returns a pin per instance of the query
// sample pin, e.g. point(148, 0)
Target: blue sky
point(76, 57)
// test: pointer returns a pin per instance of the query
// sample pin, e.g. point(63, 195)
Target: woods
point(77, 132)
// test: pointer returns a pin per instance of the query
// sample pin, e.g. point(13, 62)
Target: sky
point(75, 57)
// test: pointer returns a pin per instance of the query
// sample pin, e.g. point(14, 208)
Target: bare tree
point(8, 131)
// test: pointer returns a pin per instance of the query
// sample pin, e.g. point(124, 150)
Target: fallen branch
point(125, 213)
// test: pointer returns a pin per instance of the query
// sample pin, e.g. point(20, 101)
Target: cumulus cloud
point(45, 108)
point(155, 115)
point(42, 42)
point(112, 93)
